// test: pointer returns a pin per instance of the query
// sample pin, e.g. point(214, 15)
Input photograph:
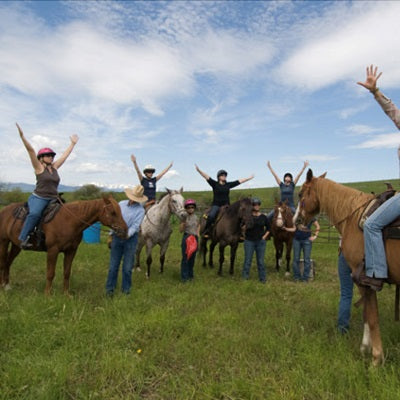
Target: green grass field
point(214, 338)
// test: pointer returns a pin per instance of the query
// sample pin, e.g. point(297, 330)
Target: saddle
point(37, 237)
point(391, 231)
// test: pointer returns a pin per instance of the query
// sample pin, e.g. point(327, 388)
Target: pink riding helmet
point(190, 202)
point(45, 150)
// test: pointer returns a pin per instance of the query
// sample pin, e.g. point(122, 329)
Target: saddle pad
point(50, 211)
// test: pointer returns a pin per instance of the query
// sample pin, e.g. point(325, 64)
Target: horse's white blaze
point(366, 340)
point(279, 219)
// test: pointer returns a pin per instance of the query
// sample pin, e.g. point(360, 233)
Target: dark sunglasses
point(190, 207)
point(48, 155)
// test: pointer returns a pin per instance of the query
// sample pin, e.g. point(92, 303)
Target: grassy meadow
point(213, 338)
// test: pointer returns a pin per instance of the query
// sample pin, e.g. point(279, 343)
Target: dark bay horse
point(227, 232)
point(283, 218)
point(63, 234)
point(343, 206)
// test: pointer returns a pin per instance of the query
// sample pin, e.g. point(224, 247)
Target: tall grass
point(213, 338)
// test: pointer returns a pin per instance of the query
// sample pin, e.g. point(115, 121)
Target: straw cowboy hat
point(136, 194)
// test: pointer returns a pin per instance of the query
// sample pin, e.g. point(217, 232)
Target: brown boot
point(361, 279)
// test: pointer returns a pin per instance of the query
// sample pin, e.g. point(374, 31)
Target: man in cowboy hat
point(133, 214)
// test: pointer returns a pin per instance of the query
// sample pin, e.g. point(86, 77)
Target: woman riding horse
point(47, 180)
point(376, 271)
point(221, 190)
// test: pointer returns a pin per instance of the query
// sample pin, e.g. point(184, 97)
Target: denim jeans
point(125, 248)
point(299, 245)
point(187, 264)
point(346, 294)
point(251, 246)
point(375, 256)
point(36, 207)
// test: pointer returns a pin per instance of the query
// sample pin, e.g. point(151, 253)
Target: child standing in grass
point(190, 228)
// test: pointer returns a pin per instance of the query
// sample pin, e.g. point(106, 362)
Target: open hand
point(372, 78)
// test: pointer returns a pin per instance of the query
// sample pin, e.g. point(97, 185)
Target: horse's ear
point(309, 175)
point(323, 175)
point(181, 190)
point(168, 191)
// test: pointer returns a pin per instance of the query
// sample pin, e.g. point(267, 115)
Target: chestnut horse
point(283, 217)
point(343, 206)
point(63, 234)
point(227, 232)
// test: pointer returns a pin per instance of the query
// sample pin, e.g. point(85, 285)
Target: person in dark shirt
point(255, 241)
point(221, 189)
point(47, 181)
point(148, 181)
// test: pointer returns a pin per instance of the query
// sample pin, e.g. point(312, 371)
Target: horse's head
point(308, 198)
point(177, 203)
point(112, 217)
point(246, 212)
point(283, 215)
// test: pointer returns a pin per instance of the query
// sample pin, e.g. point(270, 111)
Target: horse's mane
point(232, 209)
point(342, 199)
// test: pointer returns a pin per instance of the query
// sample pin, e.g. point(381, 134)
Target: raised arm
point(243, 180)
point(37, 166)
point(386, 104)
point(306, 164)
point(278, 181)
point(203, 174)
point(139, 174)
point(163, 172)
point(60, 161)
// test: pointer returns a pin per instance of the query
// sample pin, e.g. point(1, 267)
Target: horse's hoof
point(137, 269)
point(287, 273)
point(7, 287)
point(365, 349)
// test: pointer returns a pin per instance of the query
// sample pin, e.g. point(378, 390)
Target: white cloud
point(359, 129)
point(343, 44)
point(389, 140)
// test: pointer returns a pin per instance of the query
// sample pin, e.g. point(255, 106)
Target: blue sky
point(221, 84)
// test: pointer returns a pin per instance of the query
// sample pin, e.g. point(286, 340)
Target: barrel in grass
point(91, 235)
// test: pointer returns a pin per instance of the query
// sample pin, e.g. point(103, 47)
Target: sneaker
point(26, 245)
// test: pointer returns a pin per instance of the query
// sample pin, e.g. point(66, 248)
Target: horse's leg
point(137, 255)
point(68, 258)
point(278, 253)
point(3, 260)
point(221, 258)
point(371, 318)
point(52, 255)
point(203, 250)
point(233, 257)
point(288, 253)
point(149, 260)
point(11, 254)
point(163, 250)
point(210, 258)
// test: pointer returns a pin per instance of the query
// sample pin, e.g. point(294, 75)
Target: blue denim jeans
point(125, 248)
point(375, 256)
point(251, 246)
point(346, 294)
point(187, 264)
point(306, 246)
point(36, 207)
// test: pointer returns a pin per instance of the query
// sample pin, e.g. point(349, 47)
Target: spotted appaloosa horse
point(283, 217)
point(227, 232)
point(156, 226)
point(343, 206)
point(63, 234)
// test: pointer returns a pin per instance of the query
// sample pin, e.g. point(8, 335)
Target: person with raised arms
point(221, 188)
point(376, 271)
point(47, 181)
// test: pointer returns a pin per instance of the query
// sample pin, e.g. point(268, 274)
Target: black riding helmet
point(221, 172)
point(289, 175)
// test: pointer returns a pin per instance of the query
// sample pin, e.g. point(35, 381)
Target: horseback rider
point(286, 187)
point(376, 271)
point(148, 181)
point(221, 190)
point(47, 181)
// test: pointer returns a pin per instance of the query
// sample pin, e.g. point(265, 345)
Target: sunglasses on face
point(192, 207)
point(48, 155)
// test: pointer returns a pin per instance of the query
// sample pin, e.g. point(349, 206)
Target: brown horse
point(62, 234)
point(343, 206)
point(283, 218)
point(227, 232)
